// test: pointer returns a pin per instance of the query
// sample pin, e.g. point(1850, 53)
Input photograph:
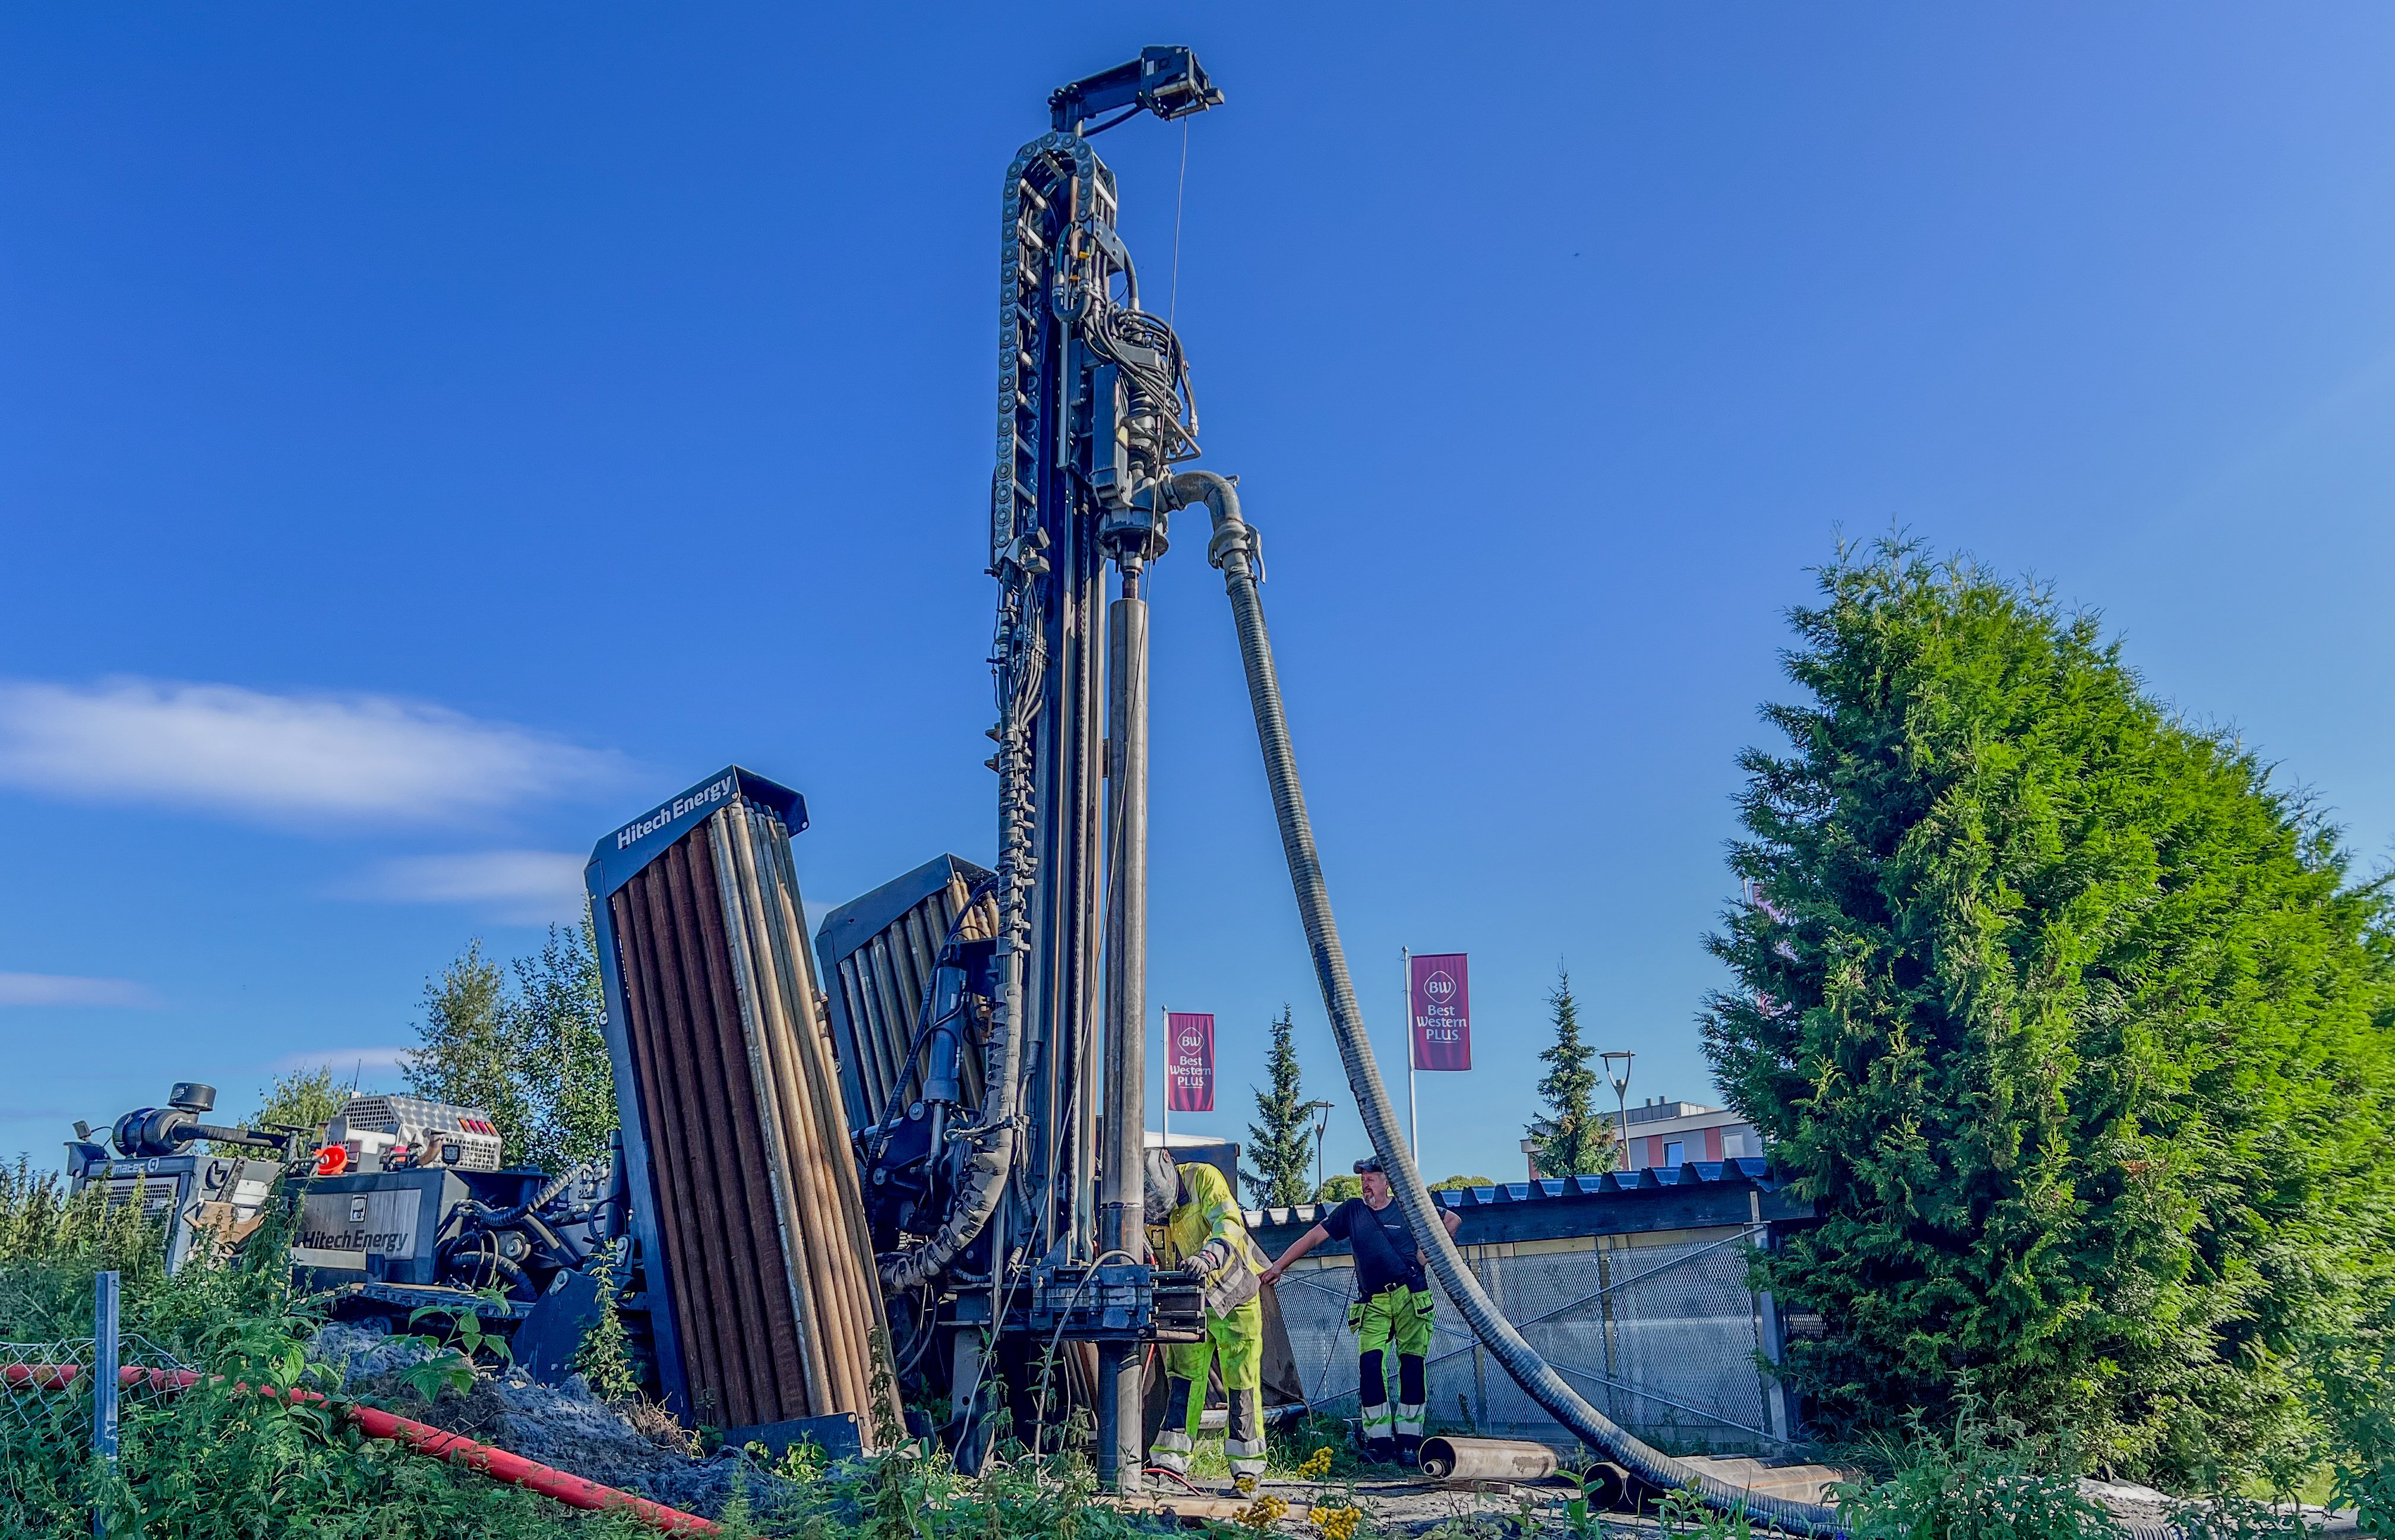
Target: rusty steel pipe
point(1449, 1460)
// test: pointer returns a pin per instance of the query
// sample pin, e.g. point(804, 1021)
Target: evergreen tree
point(1572, 1138)
point(2070, 1023)
point(1281, 1148)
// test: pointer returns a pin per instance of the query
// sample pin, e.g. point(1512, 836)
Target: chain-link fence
point(1663, 1337)
point(50, 1383)
point(73, 1393)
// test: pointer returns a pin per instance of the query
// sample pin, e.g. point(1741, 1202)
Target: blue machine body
point(615, 860)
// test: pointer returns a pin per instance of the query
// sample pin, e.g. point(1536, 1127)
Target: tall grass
point(221, 1462)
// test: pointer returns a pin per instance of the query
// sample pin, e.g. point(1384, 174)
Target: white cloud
point(520, 887)
point(310, 757)
point(60, 989)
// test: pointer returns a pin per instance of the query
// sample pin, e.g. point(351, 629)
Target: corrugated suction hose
point(1231, 549)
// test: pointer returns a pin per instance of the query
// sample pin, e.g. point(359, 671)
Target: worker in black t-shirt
point(1392, 1308)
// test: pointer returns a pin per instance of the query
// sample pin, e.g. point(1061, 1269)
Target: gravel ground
point(572, 1430)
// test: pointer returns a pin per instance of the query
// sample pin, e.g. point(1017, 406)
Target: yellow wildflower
point(1259, 1515)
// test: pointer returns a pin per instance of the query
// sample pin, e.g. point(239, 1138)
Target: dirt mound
point(565, 1427)
point(575, 1431)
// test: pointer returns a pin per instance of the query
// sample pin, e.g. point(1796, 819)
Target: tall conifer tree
point(1571, 1139)
point(1279, 1164)
point(2069, 1022)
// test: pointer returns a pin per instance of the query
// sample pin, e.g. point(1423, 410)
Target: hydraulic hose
point(990, 1142)
point(1231, 550)
point(499, 1219)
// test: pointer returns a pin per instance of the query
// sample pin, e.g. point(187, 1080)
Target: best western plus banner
point(1438, 995)
point(1189, 1061)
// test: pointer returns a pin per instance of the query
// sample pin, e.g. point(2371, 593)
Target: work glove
point(1212, 1257)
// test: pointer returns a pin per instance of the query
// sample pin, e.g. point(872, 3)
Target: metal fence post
point(103, 1385)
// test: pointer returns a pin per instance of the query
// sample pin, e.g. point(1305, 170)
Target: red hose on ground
point(573, 1490)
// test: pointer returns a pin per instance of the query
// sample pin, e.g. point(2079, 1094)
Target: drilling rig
point(1094, 411)
point(950, 1197)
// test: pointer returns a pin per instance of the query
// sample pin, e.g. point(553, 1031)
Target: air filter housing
point(429, 1130)
point(745, 1201)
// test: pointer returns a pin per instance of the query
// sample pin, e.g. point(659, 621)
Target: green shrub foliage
point(2070, 1022)
point(534, 1057)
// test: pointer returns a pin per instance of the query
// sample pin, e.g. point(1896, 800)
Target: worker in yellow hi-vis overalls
point(1194, 1225)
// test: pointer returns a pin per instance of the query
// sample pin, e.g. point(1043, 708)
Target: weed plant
point(1984, 1481)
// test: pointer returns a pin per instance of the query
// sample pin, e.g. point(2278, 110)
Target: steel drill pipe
point(1121, 1382)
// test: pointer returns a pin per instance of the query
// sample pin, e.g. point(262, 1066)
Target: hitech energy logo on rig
point(339, 1230)
point(641, 828)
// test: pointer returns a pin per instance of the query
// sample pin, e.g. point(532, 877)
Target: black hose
point(500, 1218)
point(1229, 550)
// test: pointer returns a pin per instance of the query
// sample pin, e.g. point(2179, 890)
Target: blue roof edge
point(1653, 1178)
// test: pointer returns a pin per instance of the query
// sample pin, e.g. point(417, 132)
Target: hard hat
point(1161, 1187)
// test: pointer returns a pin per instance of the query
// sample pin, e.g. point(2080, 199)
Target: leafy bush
point(221, 1460)
point(1984, 1481)
point(2358, 1385)
point(1684, 1513)
point(2070, 1023)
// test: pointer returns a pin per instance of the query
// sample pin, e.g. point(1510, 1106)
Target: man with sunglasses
point(1392, 1308)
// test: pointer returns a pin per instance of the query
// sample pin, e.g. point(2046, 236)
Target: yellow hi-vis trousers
point(1237, 1342)
point(1397, 1317)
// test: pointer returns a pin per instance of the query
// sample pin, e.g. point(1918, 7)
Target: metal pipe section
point(1231, 550)
point(1445, 1459)
point(1120, 1381)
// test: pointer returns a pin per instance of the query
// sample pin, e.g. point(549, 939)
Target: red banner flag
point(1189, 1061)
point(1438, 996)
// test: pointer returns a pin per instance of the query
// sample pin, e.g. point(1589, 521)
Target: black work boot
point(1408, 1448)
point(1380, 1452)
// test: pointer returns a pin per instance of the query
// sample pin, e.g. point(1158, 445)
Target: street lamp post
point(1620, 1079)
point(1321, 1111)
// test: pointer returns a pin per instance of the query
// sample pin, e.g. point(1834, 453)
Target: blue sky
point(428, 436)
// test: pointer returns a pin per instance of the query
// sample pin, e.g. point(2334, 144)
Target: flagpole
point(1413, 1120)
point(1167, 1076)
